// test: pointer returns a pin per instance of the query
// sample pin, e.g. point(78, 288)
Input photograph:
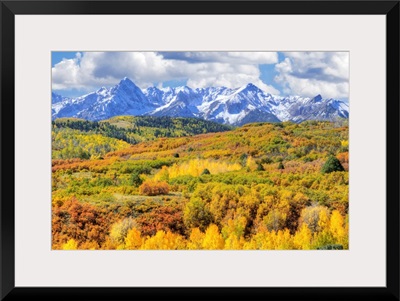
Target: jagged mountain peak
point(102, 90)
point(56, 98)
point(127, 84)
point(152, 89)
point(316, 99)
point(126, 81)
point(250, 87)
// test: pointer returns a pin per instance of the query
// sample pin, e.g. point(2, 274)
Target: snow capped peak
point(317, 98)
point(183, 89)
point(166, 89)
point(126, 82)
point(127, 88)
point(248, 88)
point(151, 89)
point(102, 91)
point(58, 98)
point(251, 86)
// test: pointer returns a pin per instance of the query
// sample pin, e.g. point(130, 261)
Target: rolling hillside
point(259, 186)
point(79, 138)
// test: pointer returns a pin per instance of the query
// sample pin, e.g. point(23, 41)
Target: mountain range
point(237, 106)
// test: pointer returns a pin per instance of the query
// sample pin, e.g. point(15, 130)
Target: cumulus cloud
point(77, 73)
point(89, 70)
point(312, 73)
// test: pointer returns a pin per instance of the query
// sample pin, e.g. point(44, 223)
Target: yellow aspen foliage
point(344, 143)
point(262, 240)
point(322, 238)
point(310, 216)
point(300, 198)
point(254, 243)
point(274, 220)
point(234, 227)
point(164, 241)
point(323, 221)
point(133, 239)
point(303, 238)
point(89, 245)
point(337, 228)
point(120, 229)
point(251, 163)
point(213, 239)
point(234, 243)
point(346, 238)
point(251, 245)
point(286, 195)
point(268, 242)
point(162, 175)
point(109, 244)
point(283, 240)
point(175, 241)
point(70, 245)
point(196, 239)
point(265, 207)
point(195, 167)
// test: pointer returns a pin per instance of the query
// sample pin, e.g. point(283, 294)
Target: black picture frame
point(11, 8)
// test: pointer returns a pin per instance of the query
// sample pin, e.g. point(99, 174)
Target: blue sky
point(282, 73)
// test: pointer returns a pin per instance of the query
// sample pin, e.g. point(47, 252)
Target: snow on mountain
point(57, 102)
point(298, 109)
point(123, 99)
point(236, 106)
point(179, 102)
point(220, 104)
point(55, 98)
point(154, 95)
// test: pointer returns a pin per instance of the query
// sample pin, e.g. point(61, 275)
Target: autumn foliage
point(263, 186)
point(152, 188)
point(82, 222)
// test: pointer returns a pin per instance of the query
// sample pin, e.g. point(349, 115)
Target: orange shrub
point(343, 157)
point(151, 188)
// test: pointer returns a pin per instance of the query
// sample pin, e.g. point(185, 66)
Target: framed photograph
point(179, 150)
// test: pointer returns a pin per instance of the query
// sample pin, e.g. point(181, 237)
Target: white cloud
point(231, 76)
point(76, 73)
point(89, 70)
point(312, 73)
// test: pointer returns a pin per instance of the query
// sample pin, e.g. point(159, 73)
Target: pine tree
point(260, 167)
point(135, 179)
point(205, 172)
point(331, 165)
